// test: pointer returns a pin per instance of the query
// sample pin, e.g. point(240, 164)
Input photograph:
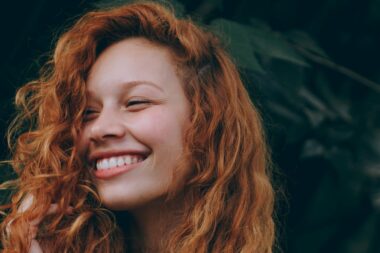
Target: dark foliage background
point(311, 67)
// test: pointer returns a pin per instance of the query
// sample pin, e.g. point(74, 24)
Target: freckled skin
point(114, 124)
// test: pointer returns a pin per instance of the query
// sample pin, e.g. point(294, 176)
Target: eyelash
point(88, 112)
point(137, 102)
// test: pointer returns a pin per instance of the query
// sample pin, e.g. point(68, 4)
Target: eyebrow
point(131, 84)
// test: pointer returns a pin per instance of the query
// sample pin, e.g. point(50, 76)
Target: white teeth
point(127, 159)
point(113, 162)
point(118, 161)
point(105, 164)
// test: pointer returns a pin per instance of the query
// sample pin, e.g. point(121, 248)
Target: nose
point(108, 125)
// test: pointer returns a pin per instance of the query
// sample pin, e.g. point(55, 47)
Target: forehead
point(132, 53)
point(133, 60)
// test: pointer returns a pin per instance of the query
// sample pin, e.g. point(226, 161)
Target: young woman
point(141, 138)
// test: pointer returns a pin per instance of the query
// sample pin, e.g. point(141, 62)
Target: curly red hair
point(229, 193)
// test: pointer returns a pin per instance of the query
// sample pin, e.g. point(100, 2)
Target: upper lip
point(96, 155)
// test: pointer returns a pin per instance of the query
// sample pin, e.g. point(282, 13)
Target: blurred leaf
point(311, 149)
point(304, 40)
point(338, 68)
point(284, 112)
point(256, 39)
point(206, 7)
point(341, 160)
point(340, 107)
point(272, 44)
point(259, 25)
point(290, 76)
point(238, 43)
point(374, 142)
point(313, 101)
point(315, 117)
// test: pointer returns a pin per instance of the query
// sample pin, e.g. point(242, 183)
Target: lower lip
point(115, 171)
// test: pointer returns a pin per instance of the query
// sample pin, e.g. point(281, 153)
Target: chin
point(121, 205)
point(129, 203)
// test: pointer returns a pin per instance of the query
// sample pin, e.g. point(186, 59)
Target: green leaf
point(273, 45)
point(238, 43)
point(304, 40)
point(312, 148)
point(257, 39)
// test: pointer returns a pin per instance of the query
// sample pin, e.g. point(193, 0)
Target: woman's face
point(132, 135)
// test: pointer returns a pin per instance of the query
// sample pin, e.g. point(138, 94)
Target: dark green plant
point(325, 138)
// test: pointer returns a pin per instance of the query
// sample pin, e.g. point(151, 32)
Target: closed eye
point(137, 104)
point(89, 114)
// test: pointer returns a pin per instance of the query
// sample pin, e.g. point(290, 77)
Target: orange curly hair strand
point(228, 192)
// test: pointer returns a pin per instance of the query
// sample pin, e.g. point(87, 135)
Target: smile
point(110, 167)
point(117, 161)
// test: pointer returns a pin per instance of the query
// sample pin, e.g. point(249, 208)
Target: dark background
point(310, 66)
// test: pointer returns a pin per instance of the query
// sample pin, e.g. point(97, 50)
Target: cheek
point(159, 127)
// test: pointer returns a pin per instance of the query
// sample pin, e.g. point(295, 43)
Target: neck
point(155, 222)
